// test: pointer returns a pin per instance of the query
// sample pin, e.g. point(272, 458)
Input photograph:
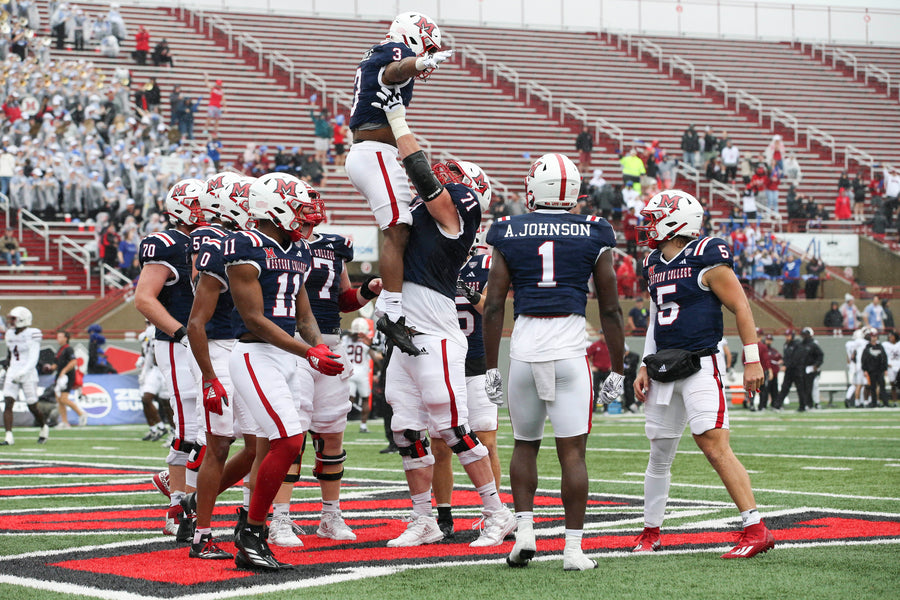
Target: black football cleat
point(241, 522)
point(254, 553)
point(207, 549)
point(398, 333)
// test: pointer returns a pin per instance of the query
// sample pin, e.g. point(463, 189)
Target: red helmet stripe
point(562, 175)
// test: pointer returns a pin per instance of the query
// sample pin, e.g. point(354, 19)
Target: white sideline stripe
point(826, 468)
point(772, 491)
point(754, 454)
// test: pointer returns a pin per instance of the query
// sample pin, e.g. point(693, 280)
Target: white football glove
point(612, 388)
point(390, 101)
point(430, 62)
point(493, 385)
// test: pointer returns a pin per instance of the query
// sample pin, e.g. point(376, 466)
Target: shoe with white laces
point(332, 526)
point(207, 549)
point(575, 560)
point(648, 541)
point(524, 549)
point(161, 482)
point(173, 518)
point(496, 527)
point(753, 540)
point(44, 434)
point(422, 529)
point(281, 533)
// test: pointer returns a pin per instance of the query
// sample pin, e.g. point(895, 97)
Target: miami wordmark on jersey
point(171, 248)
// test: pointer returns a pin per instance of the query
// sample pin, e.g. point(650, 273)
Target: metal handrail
point(342, 98)
point(826, 139)
point(750, 100)
point(315, 82)
point(245, 40)
point(477, 56)
point(685, 66)
point(689, 172)
point(614, 131)
point(449, 40)
point(510, 74)
point(820, 46)
point(78, 252)
point(715, 82)
point(730, 194)
point(277, 58)
point(651, 49)
point(787, 119)
point(879, 74)
point(119, 279)
point(847, 58)
point(567, 106)
point(626, 37)
point(860, 156)
point(533, 87)
point(4, 199)
point(38, 226)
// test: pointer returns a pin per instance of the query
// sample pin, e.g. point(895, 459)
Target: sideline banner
point(834, 249)
point(107, 399)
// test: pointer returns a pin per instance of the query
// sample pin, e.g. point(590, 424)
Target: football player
point(266, 268)
point(690, 278)
point(359, 355)
point(152, 386)
point(412, 49)
point(854, 347)
point(24, 344)
point(547, 256)
point(892, 347)
point(330, 293)
point(164, 296)
point(212, 340)
point(427, 389)
point(470, 291)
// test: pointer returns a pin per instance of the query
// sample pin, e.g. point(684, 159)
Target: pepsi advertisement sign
point(107, 399)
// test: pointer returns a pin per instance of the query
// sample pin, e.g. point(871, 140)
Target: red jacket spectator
point(773, 181)
point(842, 210)
point(11, 110)
point(758, 181)
point(629, 226)
point(142, 40)
point(626, 278)
point(598, 352)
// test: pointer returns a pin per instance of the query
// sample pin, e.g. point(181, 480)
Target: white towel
point(544, 374)
point(660, 393)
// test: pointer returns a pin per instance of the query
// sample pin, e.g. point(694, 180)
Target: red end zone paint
point(163, 566)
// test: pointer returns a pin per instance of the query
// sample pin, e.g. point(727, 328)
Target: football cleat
point(241, 522)
point(189, 505)
point(161, 481)
point(332, 526)
point(398, 333)
point(422, 529)
point(254, 553)
point(148, 437)
point(495, 527)
point(185, 532)
point(445, 522)
point(173, 517)
point(207, 549)
point(523, 550)
point(648, 541)
point(297, 529)
point(8, 440)
point(753, 540)
point(575, 560)
point(281, 532)
point(44, 434)
point(389, 449)
point(82, 420)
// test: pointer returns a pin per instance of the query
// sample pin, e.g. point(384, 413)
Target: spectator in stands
point(79, 23)
point(814, 270)
point(710, 146)
point(690, 146)
point(626, 278)
point(498, 207)
point(636, 324)
point(109, 46)
point(774, 155)
point(141, 45)
point(128, 247)
point(731, 154)
point(833, 319)
point(874, 314)
point(162, 54)
point(601, 365)
point(109, 246)
point(584, 144)
point(58, 19)
point(665, 175)
point(215, 105)
point(281, 161)
point(844, 181)
point(773, 180)
point(850, 315)
point(715, 170)
point(213, 151)
point(312, 171)
point(7, 168)
point(9, 249)
point(632, 167)
point(891, 183)
point(186, 120)
point(842, 209)
point(630, 221)
point(116, 23)
point(791, 278)
point(888, 316)
point(323, 132)
point(875, 364)
point(748, 202)
point(339, 139)
point(859, 186)
point(792, 171)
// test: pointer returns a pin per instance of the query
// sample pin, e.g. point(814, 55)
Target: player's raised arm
point(423, 37)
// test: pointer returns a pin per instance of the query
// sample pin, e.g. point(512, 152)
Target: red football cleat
point(648, 541)
point(161, 482)
point(755, 539)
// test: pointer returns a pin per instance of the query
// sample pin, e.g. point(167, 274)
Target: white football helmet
point(668, 214)
point(293, 205)
point(467, 173)
point(210, 202)
point(360, 326)
point(234, 202)
point(552, 182)
point(417, 31)
point(859, 333)
point(480, 245)
point(183, 201)
point(19, 316)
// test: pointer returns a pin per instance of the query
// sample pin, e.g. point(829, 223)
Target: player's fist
point(612, 388)
point(493, 385)
point(214, 395)
point(390, 101)
point(323, 360)
point(472, 295)
point(430, 62)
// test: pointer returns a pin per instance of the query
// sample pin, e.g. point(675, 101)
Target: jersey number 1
point(285, 306)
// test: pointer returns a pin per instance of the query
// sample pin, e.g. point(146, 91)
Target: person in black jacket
point(690, 146)
point(794, 369)
point(812, 363)
point(874, 365)
point(833, 318)
point(584, 143)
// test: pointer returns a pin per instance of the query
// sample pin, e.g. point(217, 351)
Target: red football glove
point(324, 360)
point(214, 395)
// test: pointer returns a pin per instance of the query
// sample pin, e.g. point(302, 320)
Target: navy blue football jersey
point(551, 256)
point(171, 248)
point(368, 83)
point(323, 286)
point(432, 259)
point(474, 274)
point(204, 233)
point(209, 262)
point(281, 273)
point(688, 317)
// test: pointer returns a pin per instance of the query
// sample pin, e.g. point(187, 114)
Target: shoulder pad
point(713, 251)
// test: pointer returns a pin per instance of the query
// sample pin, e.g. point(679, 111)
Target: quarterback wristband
point(751, 354)
point(364, 290)
point(179, 334)
point(397, 121)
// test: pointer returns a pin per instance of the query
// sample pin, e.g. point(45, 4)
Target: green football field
point(80, 519)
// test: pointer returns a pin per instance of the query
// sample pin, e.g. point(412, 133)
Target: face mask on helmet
point(291, 204)
point(668, 214)
point(183, 201)
point(419, 33)
point(211, 200)
point(552, 182)
point(19, 317)
point(468, 174)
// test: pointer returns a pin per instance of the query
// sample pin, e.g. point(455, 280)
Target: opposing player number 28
point(668, 311)
point(287, 290)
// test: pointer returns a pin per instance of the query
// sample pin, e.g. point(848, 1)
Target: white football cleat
point(423, 529)
point(524, 549)
point(281, 532)
point(333, 527)
point(575, 560)
point(496, 527)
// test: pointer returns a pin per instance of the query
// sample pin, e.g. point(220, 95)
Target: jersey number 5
point(668, 311)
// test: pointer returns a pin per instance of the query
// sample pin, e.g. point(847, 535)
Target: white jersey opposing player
point(24, 344)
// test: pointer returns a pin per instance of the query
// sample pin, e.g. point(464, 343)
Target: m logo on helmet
point(534, 168)
point(215, 183)
point(240, 190)
point(179, 190)
point(286, 188)
point(670, 202)
point(479, 182)
point(426, 25)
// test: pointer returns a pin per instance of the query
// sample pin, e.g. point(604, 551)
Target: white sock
point(281, 508)
point(246, 492)
point(390, 303)
point(175, 498)
point(573, 539)
point(199, 533)
point(525, 517)
point(422, 503)
point(331, 506)
point(656, 493)
point(190, 478)
point(750, 517)
point(489, 497)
